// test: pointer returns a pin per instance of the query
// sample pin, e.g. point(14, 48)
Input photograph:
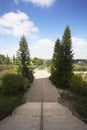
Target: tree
point(2, 58)
point(62, 61)
point(67, 57)
point(23, 58)
point(7, 60)
point(23, 54)
point(37, 61)
point(55, 62)
point(14, 60)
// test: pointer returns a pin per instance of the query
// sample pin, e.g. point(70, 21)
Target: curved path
point(55, 115)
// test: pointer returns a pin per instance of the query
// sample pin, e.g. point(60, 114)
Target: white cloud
point(80, 42)
point(17, 24)
point(10, 51)
point(79, 47)
point(42, 48)
point(42, 3)
point(44, 42)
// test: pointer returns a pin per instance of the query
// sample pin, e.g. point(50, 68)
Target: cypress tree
point(62, 61)
point(67, 58)
point(23, 58)
point(14, 60)
point(55, 62)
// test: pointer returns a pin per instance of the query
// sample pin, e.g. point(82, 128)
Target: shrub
point(9, 103)
point(26, 83)
point(26, 72)
point(12, 83)
point(78, 84)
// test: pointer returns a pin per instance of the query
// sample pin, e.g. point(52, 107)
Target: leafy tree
point(23, 58)
point(37, 61)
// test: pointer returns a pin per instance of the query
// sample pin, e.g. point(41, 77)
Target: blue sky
point(42, 22)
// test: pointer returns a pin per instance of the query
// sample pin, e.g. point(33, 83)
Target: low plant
point(78, 84)
point(12, 83)
point(8, 103)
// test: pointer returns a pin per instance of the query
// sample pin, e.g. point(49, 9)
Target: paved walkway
point(42, 87)
point(55, 115)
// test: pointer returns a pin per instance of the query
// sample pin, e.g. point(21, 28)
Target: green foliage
point(2, 58)
point(7, 60)
point(26, 83)
point(55, 62)
point(23, 55)
point(14, 60)
point(48, 63)
point(67, 57)
point(8, 103)
point(37, 62)
point(62, 61)
point(23, 58)
point(12, 83)
point(78, 84)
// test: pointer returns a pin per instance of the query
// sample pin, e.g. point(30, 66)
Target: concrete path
point(25, 117)
point(55, 115)
point(58, 117)
point(42, 87)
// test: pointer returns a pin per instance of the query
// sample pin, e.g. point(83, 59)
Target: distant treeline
point(80, 61)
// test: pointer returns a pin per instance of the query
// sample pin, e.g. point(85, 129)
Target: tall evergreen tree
point(23, 58)
point(23, 54)
point(62, 61)
point(14, 60)
point(55, 62)
point(67, 57)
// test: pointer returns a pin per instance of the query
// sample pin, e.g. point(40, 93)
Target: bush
point(26, 83)
point(26, 72)
point(12, 83)
point(78, 84)
point(9, 103)
point(81, 107)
